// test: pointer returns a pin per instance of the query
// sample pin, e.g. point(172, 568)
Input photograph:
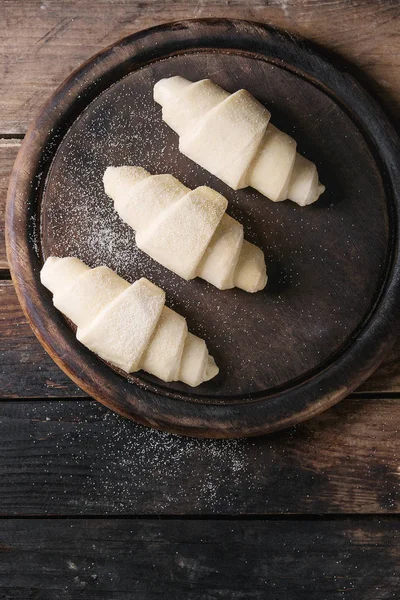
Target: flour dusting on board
point(261, 340)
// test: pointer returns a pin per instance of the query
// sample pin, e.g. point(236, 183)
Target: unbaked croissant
point(186, 230)
point(230, 135)
point(127, 324)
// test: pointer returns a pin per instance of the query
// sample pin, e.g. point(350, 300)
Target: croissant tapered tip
point(212, 370)
point(117, 179)
point(168, 88)
point(126, 324)
point(230, 135)
point(261, 283)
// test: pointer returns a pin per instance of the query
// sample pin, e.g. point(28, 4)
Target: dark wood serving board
point(329, 312)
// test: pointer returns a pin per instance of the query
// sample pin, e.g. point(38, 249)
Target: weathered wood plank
point(42, 41)
point(26, 371)
point(387, 377)
point(77, 458)
point(341, 283)
point(8, 152)
point(66, 34)
point(199, 560)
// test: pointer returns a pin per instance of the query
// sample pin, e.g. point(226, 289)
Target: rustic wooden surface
point(344, 461)
point(8, 152)
point(42, 41)
point(19, 348)
point(70, 457)
point(199, 560)
point(334, 294)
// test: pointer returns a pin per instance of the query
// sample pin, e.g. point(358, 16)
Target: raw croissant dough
point(127, 325)
point(230, 136)
point(186, 230)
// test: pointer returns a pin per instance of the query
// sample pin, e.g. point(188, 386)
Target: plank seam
point(354, 396)
point(5, 275)
point(217, 517)
point(12, 136)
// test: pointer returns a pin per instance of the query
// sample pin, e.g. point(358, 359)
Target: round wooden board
point(329, 312)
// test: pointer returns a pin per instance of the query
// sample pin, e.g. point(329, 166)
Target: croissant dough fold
point(127, 324)
point(186, 230)
point(230, 135)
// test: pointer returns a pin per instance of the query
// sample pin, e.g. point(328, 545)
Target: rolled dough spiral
point(186, 230)
point(230, 135)
point(127, 324)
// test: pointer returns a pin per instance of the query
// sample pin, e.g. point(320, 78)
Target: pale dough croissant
point(127, 324)
point(186, 230)
point(230, 135)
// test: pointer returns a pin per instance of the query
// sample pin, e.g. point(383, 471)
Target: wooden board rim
point(189, 417)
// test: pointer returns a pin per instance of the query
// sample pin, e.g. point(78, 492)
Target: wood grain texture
point(8, 153)
point(42, 41)
point(50, 462)
point(320, 260)
point(199, 560)
point(78, 458)
point(230, 406)
point(27, 371)
point(387, 377)
point(65, 34)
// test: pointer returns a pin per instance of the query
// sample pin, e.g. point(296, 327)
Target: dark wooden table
point(94, 506)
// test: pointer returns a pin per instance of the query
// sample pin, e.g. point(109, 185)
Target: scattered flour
point(124, 467)
point(287, 324)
